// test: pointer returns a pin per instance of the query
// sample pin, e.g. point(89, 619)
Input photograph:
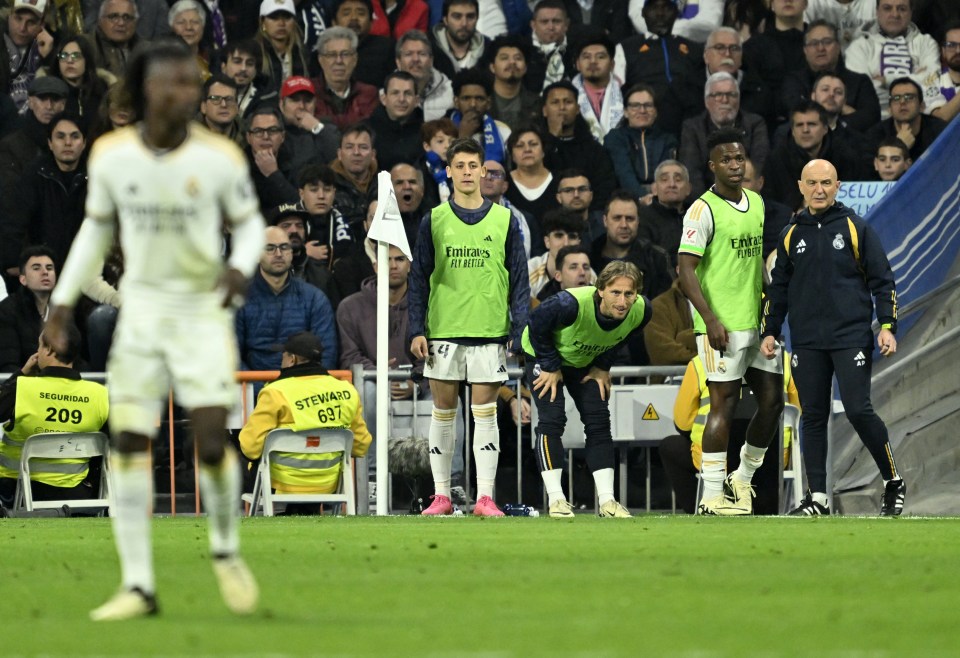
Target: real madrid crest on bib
point(838, 242)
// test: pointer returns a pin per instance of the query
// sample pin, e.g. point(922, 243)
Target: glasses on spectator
point(282, 248)
point(343, 54)
point(496, 174)
point(731, 48)
point(120, 18)
point(825, 42)
point(644, 107)
point(903, 98)
point(951, 45)
point(271, 131)
point(583, 189)
point(69, 57)
point(728, 95)
point(222, 100)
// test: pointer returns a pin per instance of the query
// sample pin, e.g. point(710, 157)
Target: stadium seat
point(305, 441)
point(59, 445)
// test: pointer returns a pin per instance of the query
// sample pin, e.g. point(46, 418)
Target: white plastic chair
point(305, 441)
point(62, 445)
point(791, 420)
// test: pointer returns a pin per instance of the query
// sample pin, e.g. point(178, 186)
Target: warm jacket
point(353, 194)
point(444, 60)
point(302, 147)
point(111, 56)
point(268, 319)
point(930, 129)
point(584, 152)
point(273, 190)
point(20, 327)
point(652, 261)
point(407, 15)
point(787, 161)
point(26, 143)
point(636, 152)
point(46, 208)
point(669, 336)
point(376, 58)
point(358, 329)
point(397, 142)
point(663, 226)
point(861, 95)
point(693, 146)
point(361, 101)
point(865, 55)
point(828, 267)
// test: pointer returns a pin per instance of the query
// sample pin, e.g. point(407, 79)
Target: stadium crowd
point(594, 117)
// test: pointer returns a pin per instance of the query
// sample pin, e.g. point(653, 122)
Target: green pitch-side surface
point(648, 586)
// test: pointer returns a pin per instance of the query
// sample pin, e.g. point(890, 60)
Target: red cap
point(295, 84)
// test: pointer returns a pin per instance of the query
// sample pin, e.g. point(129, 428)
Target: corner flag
point(387, 224)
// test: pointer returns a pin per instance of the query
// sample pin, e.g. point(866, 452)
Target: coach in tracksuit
point(829, 265)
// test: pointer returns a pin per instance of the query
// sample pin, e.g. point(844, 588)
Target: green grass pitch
point(402, 586)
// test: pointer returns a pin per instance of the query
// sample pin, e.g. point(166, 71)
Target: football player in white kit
point(170, 186)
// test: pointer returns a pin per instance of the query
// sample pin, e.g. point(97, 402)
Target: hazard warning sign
point(651, 413)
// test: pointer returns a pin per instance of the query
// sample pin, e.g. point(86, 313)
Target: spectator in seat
point(436, 136)
point(307, 139)
point(472, 90)
point(550, 60)
point(47, 206)
point(293, 219)
point(637, 146)
point(722, 97)
point(278, 306)
point(407, 183)
point(241, 61)
point(894, 47)
point(415, 56)
point(397, 121)
point(303, 375)
point(822, 52)
point(511, 102)
point(23, 313)
point(850, 19)
point(575, 193)
point(560, 229)
point(599, 96)
point(187, 19)
point(356, 170)
point(26, 44)
point(892, 159)
point(661, 220)
point(77, 66)
point(265, 136)
point(25, 410)
point(282, 53)
point(115, 36)
point(532, 188)
point(457, 45)
point(341, 98)
point(907, 121)
point(950, 77)
point(375, 54)
point(352, 270)
point(776, 215)
point(218, 107)
point(329, 234)
point(494, 187)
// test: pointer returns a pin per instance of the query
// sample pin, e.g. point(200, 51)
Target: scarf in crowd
point(23, 69)
point(438, 170)
point(218, 24)
point(553, 53)
point(611, 109)
point(492, 142)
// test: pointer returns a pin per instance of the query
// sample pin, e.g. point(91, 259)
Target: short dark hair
point(561, 219)
point(34, 251)
point(560, 84)
point(74, 341)
point(506, 41)
point(338, 3)
point(571, 173)
point(72, 117)
point(724, 136)
point(218, 79)
point(807, 105)
point(465, 145)
point(893, 142)
point(594, 38)
point(244, 46)
point(826, 74)
point(263, 109)
point(449, 3)
point(621, 195)
point(472, 76)
point(906, 80)
point(360, 127)
point(399, 75)
point(821, 22)
point(570, 249)
point(314, 173)
point(551, 4)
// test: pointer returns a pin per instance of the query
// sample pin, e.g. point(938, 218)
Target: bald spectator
point(341, 99)
point(415, 56)
point(695, 22)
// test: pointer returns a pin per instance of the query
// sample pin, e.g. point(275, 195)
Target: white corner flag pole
point(387, 230)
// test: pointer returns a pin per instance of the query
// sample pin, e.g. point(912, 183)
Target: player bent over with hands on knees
point(721, 262)
point(169, 185)
point(570, 343)
point(826, 247)
point(469, 296)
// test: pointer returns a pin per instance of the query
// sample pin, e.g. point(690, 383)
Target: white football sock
point(131, 514)
point(553, 483)
point(821, 498)
point(603, 480)
point(486, 446)
point(220, 492)
point(712, 472)
point(751, 457)
point(441, 438)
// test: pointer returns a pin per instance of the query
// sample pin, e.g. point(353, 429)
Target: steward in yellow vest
point(305, 396)
point(48, 395)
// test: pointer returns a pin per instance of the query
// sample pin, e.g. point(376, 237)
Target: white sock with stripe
point(220, 492)
point(751, 458)
point(712, 472)
point(131, 515)
point(486, 446)
point(441, 438)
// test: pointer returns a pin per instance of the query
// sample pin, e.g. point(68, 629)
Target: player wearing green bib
point(469, 297)
point(570, 343)
point(720, 261)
